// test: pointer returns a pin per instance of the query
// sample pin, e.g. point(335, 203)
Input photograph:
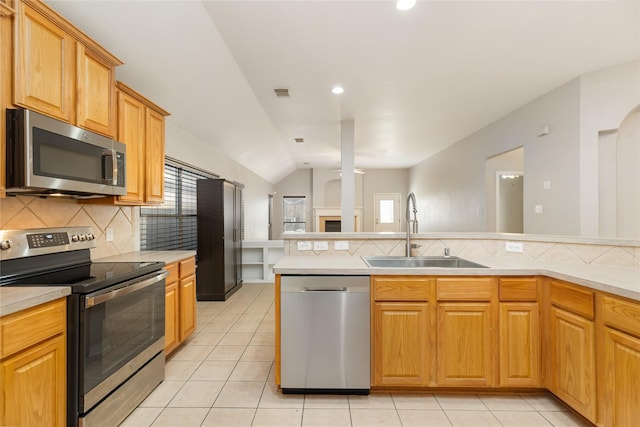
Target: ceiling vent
point(299, 140)
point(282, 93)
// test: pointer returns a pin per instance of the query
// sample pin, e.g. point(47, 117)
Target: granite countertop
point(622, 281)
point(167, 257)
point(13, 299)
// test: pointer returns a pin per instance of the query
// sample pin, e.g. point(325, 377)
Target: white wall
point(184, 146)
point(450, 186)
point(606, 98)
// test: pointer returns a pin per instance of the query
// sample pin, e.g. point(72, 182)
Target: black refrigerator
point(219, 272)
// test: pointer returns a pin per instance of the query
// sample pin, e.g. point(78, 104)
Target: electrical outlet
point(341, 245)
point(320, 246)
point(304, 246)
point(514, 247)
point(109, 235)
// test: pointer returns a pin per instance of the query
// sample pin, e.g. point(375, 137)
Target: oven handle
point(99, 299)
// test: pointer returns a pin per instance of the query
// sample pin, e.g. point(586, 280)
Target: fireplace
point(329, 219)
point(332, 225)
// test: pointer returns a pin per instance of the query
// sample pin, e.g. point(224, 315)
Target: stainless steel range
point(115, 318)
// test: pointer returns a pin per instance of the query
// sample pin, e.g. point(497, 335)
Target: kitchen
point(21, 213)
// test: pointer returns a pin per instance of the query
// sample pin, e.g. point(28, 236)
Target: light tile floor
point(224, 376)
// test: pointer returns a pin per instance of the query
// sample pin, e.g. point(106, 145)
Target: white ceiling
point(415, 82)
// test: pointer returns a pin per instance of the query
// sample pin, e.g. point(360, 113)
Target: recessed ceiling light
point(405, 4)
point(337, 90)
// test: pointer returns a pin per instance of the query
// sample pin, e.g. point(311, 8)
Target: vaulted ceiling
point(415, 81)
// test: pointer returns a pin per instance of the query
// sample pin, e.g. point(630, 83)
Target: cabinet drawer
point(173, 272)
point(519, 289)
point(621, 315)
point(406, 288)
point(187, 267)
point(21, 330)
point(571, 298)
point(464, 288)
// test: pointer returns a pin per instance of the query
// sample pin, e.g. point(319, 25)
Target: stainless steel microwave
point(48, 157)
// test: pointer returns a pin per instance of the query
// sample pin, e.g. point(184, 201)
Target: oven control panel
point(23, 243)
point(45, 240)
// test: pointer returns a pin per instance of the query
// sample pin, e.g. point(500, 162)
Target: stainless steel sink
point(419, 262)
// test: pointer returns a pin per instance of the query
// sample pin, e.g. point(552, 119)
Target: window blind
point(173, 224)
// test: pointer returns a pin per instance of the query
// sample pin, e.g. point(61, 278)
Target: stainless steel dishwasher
point(325, 334)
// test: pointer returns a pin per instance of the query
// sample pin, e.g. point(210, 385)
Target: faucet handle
point(446, 252)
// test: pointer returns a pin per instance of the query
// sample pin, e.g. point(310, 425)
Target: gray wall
point(450, 186)
point(322, 189)
point(298, 183)
point(184, 146)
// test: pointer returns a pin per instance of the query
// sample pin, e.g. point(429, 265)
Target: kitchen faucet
point(413, 222)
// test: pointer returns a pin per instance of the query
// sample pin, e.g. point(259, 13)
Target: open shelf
point(258, 259)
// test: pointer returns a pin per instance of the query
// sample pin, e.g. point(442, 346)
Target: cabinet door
point(172, 320)
point(45, 72)
point(95, 86)
point(131, 132)
point(573, 361)
point(464, 345)
point(35, 385)
point(519, 345)
point(6, 71)
point(622, 379)
point(401, 343)
point(155, 157)
point(187, 306)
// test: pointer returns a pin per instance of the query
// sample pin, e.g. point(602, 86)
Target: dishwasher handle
point(342, 289)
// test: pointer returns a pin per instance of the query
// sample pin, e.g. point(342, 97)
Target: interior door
point(387, 212)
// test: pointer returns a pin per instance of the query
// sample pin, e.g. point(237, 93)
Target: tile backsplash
point(23, 212)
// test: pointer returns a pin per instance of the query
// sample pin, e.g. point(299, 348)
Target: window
point(173, 224)
point(293, 212)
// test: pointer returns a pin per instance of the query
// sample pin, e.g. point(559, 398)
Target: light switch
point(538, 208)
point(546, 185)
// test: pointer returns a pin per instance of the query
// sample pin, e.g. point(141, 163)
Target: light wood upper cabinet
point(573, 365)
point(465, 345)
point(141, 129)
point(131, 126)
point(95, 92)
point(6, 69)
point(61, 72)
point(155, 157)
point(33, 366)
point(401, 343)
point(45, 72)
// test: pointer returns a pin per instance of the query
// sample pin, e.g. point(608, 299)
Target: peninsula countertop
point(621, 281)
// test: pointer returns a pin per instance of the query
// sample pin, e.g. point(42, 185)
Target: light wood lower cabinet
point(401, 343)
point(180, 300)
point(172, 312)
point(622, 379)
point(519, 344)
point(33, 366)
point(573, 365)
point(465, 345)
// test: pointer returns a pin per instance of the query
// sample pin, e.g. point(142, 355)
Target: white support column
point(347, 137)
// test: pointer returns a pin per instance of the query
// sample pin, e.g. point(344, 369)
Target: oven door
point(121, 329)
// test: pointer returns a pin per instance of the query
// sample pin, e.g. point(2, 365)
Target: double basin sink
point(420, 262)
